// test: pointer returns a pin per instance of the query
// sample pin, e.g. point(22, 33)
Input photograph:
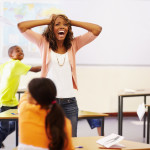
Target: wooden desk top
point(148, 105)
point(21, 90)
point(82, 114)
point(89, 143)
point(86, 114)
point(137, 92)
point(9, 114)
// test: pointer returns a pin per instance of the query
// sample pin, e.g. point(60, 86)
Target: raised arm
point(94, 28)
point(23, 26)
point(35, 69)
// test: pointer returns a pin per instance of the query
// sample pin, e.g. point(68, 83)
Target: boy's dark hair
point(10, 50)
point(43, 90)
point(50, 36)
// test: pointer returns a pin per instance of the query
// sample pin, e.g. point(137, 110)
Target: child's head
point(16, 52)
point(42, 91)
point(59, 30)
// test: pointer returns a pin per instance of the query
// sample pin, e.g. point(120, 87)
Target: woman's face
point(60, 29)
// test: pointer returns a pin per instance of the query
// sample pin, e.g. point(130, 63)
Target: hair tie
point(51, 105)
point(53, 102)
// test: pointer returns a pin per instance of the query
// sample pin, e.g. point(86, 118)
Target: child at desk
point(10, 77)
point(42, 123)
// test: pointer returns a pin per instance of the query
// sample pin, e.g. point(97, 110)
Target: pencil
point(108, 148)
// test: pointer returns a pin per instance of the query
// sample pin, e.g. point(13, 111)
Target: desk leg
point(19, 96)
point(144, 118)
point(102, 129)
point(16, 123)
point(119, 115)
point(148, 120)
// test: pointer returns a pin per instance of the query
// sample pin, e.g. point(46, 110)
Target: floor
point(132, 130)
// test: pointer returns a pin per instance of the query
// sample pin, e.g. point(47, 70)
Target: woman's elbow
point(21, 27)
point(97, 31)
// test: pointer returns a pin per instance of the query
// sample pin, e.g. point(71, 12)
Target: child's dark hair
point(10, 50)
point(50, 36)
point(43, 90)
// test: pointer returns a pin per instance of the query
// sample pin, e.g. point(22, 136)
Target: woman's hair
point(50, 36)
point(43, 90)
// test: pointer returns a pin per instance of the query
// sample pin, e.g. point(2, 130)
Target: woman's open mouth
point(61, 33)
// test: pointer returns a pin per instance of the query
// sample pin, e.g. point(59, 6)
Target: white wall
point(99, 86)
point(124, 39)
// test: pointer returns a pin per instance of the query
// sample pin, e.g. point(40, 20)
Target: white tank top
point(60, 73)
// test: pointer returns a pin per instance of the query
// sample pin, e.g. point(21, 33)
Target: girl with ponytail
point(42, 123)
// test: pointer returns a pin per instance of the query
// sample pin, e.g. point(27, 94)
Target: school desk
point(11, 115)
point(121, 95)
point(19, 92)
point(93, 115)
point(82, 114)
point(89, 143)
point(148, 123)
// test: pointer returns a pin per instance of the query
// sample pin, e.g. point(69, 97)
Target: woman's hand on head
point(52, 16)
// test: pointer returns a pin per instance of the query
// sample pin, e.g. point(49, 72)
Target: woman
point(58, 49)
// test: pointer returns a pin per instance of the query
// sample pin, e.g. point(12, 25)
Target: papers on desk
point(111, 141)
point(141, 111)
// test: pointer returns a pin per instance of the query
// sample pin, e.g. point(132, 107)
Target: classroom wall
point(124, 39)
point(99, 86)
point(118, 44)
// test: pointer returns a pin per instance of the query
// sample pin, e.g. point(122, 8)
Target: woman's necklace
point(59, 61)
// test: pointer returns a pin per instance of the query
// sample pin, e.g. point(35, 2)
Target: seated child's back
point(42, 123)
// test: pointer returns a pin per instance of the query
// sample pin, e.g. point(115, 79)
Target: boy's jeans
point(6, 127)
point(69, 105)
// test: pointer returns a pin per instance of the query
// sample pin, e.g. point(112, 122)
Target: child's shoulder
point(13, 61)
point(5, 64)
point(17, 62)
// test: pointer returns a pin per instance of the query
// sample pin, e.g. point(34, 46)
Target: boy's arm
point(35, 69)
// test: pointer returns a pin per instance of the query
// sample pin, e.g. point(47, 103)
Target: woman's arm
point(23, 26)
point(94, 28)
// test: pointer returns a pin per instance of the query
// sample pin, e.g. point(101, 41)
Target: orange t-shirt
point(32, 125)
